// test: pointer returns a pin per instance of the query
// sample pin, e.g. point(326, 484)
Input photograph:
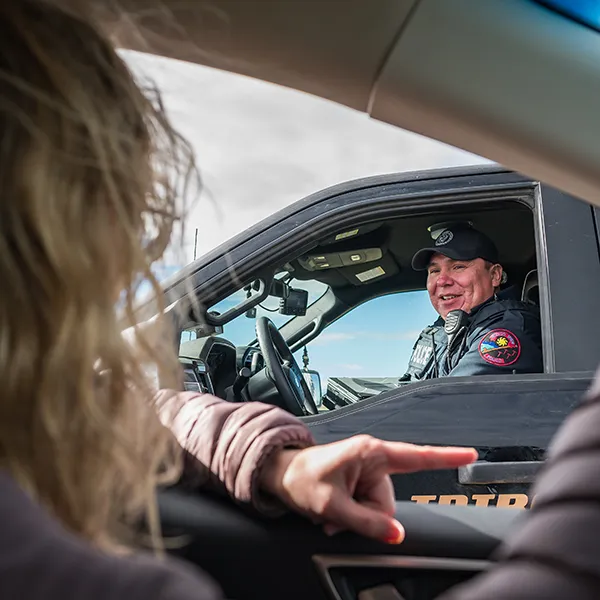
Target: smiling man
point(480, 330)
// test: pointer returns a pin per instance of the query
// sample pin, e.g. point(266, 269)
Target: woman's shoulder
point(39, 559)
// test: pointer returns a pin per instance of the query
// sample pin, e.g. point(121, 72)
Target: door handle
point(483, 472)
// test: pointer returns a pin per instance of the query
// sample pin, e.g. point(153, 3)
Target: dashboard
point(211, 364)
point(196, 377)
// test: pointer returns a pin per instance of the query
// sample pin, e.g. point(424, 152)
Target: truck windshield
point(241, 330)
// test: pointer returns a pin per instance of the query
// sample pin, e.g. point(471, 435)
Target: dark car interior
point(367, 261)
point(288, 557)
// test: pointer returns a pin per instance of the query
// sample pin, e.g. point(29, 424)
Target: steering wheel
point(283, 370)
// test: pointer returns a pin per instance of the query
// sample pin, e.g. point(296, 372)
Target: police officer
point(480, 330)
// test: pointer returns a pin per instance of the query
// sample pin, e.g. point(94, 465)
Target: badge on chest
point(421, 354)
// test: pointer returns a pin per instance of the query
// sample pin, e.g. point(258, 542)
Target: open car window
point(372, 342)
point(361, 306)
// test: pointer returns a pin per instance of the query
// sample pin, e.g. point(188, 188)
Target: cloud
point(262, 146)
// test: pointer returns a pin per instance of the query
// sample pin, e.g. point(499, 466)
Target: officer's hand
point(346, 485)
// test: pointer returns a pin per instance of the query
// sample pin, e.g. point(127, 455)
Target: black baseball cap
point(458, 242)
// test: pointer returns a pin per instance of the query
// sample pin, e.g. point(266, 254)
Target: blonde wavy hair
point(90, 176)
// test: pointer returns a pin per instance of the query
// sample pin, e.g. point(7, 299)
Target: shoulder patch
point(500, 347)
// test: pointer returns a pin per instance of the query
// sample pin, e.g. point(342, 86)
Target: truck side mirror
point(313, 381)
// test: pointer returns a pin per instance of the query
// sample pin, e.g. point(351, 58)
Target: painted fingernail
point(396, 534)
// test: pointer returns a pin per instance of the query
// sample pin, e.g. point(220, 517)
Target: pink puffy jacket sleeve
point(228, 443)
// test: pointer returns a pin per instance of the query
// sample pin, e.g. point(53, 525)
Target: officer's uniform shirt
point(427, 353)
point(502, 335)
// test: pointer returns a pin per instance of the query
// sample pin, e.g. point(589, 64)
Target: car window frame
point(380, 197)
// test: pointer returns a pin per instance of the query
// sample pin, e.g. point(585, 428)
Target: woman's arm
point(259, 454)
point(228, 444)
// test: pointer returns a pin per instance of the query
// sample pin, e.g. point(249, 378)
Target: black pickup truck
point(321, 296)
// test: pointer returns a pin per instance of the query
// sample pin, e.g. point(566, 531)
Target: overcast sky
point(261, 146)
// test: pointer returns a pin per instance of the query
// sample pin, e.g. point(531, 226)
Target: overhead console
point(333, 260)
point(359, 256)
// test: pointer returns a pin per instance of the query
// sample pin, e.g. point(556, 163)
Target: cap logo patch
point(500, 347)
point(444, 237)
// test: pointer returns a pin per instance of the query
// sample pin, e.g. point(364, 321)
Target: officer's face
point(455, 284)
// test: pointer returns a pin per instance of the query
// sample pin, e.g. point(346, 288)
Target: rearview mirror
point(313, 381)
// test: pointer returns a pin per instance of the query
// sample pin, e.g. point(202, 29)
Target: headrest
point(529, 286)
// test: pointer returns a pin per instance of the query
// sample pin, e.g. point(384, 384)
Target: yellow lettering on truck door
point(486, 500)
point(512, 501)
point(423, 499)
point(457, 499)
point(483, 499)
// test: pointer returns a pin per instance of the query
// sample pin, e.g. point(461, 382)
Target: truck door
point(509, 419)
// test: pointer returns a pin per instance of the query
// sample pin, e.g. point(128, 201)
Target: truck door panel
point(509, 419)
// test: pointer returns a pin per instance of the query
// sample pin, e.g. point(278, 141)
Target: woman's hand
point(346, 485)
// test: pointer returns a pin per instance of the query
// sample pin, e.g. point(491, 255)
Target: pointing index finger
point(407, 458)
